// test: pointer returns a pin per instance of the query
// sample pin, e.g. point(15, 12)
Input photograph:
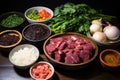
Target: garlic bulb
point(112, 32)
point(95, 26)
point(99, 36)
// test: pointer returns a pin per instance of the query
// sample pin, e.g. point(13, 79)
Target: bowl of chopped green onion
point(11, 20)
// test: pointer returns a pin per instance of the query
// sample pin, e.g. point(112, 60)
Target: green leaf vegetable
point(75, 18)
point(12, 21)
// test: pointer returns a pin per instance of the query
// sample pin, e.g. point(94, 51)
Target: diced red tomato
point(41, 72)
point(44, 14)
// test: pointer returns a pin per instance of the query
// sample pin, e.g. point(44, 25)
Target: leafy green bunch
point(74, 18)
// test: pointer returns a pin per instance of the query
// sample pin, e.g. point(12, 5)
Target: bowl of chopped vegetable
point(106, 35)
point(70, 50)
point(38, 14)
point(12, 20)
point(23, 56)
point(42, 70)
point(110, 59)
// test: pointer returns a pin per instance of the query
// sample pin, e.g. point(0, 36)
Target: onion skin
point(96, 26)
point(112, 32)
point(99, 36)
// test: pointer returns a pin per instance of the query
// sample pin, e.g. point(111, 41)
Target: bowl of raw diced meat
point(70, 50)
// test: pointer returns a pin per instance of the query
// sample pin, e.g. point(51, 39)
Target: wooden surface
point(92, 72)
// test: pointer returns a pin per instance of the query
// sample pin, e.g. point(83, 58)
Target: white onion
point(95, 26)
point(112, 32)
point(99, 36)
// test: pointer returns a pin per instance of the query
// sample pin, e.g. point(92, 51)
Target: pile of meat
point(70, 49)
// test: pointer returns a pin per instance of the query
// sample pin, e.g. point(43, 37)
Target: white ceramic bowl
point(40, 71)
point(38, 8)
point(24, 55)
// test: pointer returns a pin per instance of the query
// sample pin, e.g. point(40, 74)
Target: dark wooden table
point(92, 72)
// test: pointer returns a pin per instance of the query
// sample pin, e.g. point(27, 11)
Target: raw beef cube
point(84, 55)
point(62, 45)
point(50, 48)
point(56, 41)
point(57, 56)
point(71, 37)
point(69, 52)
point(60, 56)
point(69, 41)
point(71, 46)
point(72, 59)
point(88, 47)
point(76, 51)
point(66, 50)
point(80, 41)
point(80, 47)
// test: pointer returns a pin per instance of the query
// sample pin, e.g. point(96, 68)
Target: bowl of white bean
point(24, 55)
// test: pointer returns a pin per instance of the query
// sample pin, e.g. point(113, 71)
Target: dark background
point(96, 72)
point(110, 7)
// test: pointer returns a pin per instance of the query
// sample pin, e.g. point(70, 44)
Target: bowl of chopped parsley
point(11, 20)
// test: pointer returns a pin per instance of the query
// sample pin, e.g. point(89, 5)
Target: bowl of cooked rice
point(24, 55)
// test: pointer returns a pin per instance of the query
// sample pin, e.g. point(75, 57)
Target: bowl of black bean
point(9, 39)
point(36, 33)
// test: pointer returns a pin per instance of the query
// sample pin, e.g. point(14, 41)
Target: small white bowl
point(38, 8)
point(35, 67)
point(18, 55)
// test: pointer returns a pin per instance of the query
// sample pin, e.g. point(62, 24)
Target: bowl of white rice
point(24, 55)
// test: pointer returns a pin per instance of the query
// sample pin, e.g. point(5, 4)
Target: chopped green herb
point(12, 21)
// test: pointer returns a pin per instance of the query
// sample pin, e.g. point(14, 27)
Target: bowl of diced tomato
point(38, 14)
point(42, 70)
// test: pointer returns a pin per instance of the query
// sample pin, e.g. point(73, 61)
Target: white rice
point(24, 56)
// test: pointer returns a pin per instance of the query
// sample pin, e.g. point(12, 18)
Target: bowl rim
point(42, 7)
point(67, 33)
point(19, 46)
point(12, 31)
point(39, 62)
point(108, 50)
point(104, 43)
point(29, 25)
point(12, 12)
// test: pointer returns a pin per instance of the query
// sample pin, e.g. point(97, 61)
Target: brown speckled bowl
point(107, 63)
point(70, 66)
point(8, 44)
